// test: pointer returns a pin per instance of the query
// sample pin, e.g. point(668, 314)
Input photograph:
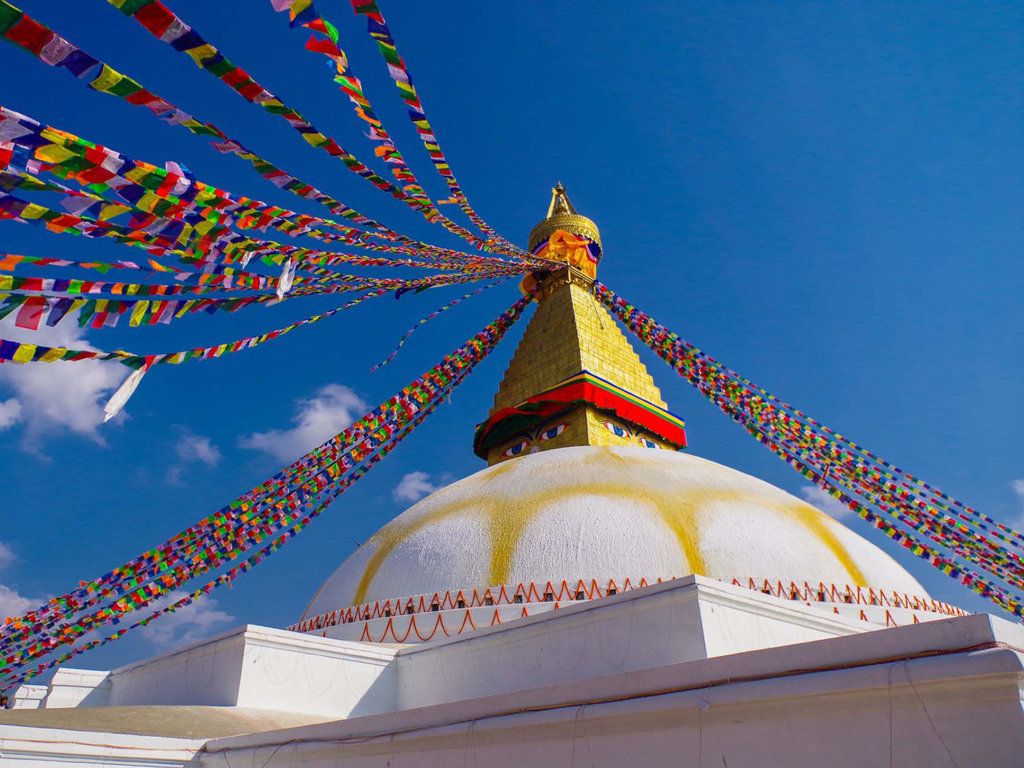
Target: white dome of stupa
point(605, 513)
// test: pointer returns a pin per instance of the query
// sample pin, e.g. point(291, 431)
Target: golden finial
point(562, 215)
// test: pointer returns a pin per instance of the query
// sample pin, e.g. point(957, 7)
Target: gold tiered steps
point(569, 333)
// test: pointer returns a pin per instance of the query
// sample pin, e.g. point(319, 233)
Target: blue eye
point(552, 432)
point(517, 448)
point(616, 429)
point(647, 443)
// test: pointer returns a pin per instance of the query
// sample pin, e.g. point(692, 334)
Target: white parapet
point(29, 697)
point(252, 667)
point(933, 694)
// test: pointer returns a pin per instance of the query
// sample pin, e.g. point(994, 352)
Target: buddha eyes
point(517, 448)
point(620, 431)
point(549, 433)
point(616, 429)
point(553, 432)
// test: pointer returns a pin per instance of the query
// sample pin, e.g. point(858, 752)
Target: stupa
point(588, 491)
point(596, 595)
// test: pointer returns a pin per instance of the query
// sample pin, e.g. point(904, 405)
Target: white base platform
point(690, 672)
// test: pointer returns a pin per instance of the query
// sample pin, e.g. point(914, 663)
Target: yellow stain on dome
point(506, 521)
point(815, 522)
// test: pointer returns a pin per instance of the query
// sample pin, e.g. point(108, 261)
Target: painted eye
point(553, 432)
point(517, 448)
point(645, 443)
point(617, 429)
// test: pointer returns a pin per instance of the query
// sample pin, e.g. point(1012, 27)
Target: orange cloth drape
point(572, 249)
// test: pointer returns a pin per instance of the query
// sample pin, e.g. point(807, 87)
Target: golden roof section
point(570, 332)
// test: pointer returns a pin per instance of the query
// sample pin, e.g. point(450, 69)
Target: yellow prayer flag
point(112, 210)
point(51, 153)
point(24, 353)
point(136, 174)
point(52, 354)
point(33, 211)
point(106, 79)
point(147, 201)
point(201, 52)
point(138, 312)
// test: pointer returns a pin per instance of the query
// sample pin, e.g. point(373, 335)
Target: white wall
point(682, 620)
point(247, 667)
point(677, 621)
point(29, 697)
point(299, 673)
point(871, 699)
point(55, 747)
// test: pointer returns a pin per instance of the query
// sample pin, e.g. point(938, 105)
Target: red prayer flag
point(30, 34)
point(31, 313)
point(155, 17)
point(322, 46)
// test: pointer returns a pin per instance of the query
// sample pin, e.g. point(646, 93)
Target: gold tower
point(574, 378)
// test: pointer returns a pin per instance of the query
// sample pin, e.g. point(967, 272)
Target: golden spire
point(560, 202)
point(562, 215)
point(574, 378)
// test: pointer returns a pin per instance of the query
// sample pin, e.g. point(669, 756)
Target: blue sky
point(826, 197)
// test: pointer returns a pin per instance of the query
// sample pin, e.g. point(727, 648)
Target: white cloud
point(413, 487)
point(1017, 523)
point(12, 603)
point(49, 396)
point(193, 447)
point(174, 474)
point(1018, 488)
point(830, 505)
point(185, 625)
point(10, 412)
point(332, 409)
point(6, 556)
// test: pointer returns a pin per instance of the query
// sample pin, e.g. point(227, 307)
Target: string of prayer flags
point(165, 26)
point(369, 427)
point(378, 29)
point(230, 575)
point(199, 241)
point(428, 318)
point(957, 540)
point(162, 236)
point(157, 190)
point(23, 353)
point(54, 50)
point(303, 13)
point(277, 509)
point(731, 397)
point(208, 234)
